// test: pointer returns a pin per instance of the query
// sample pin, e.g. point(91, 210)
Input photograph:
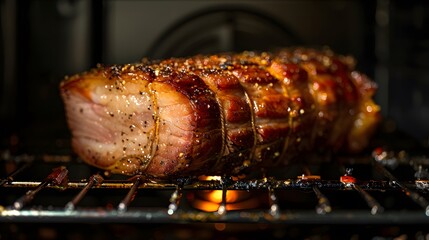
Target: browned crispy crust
point(248, 109)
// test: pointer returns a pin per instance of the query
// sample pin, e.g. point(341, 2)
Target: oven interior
point(383, 190)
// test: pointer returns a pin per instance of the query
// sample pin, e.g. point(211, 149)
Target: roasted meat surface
point(218, 114)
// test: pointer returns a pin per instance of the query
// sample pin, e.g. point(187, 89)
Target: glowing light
point(369, 108)
point(210, 200)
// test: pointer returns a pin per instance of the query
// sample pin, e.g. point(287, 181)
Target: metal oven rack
point(59, 196)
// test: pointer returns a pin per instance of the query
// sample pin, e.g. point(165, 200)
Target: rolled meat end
point(131, 120)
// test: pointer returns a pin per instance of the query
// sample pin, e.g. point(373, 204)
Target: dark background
point(43, 41)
